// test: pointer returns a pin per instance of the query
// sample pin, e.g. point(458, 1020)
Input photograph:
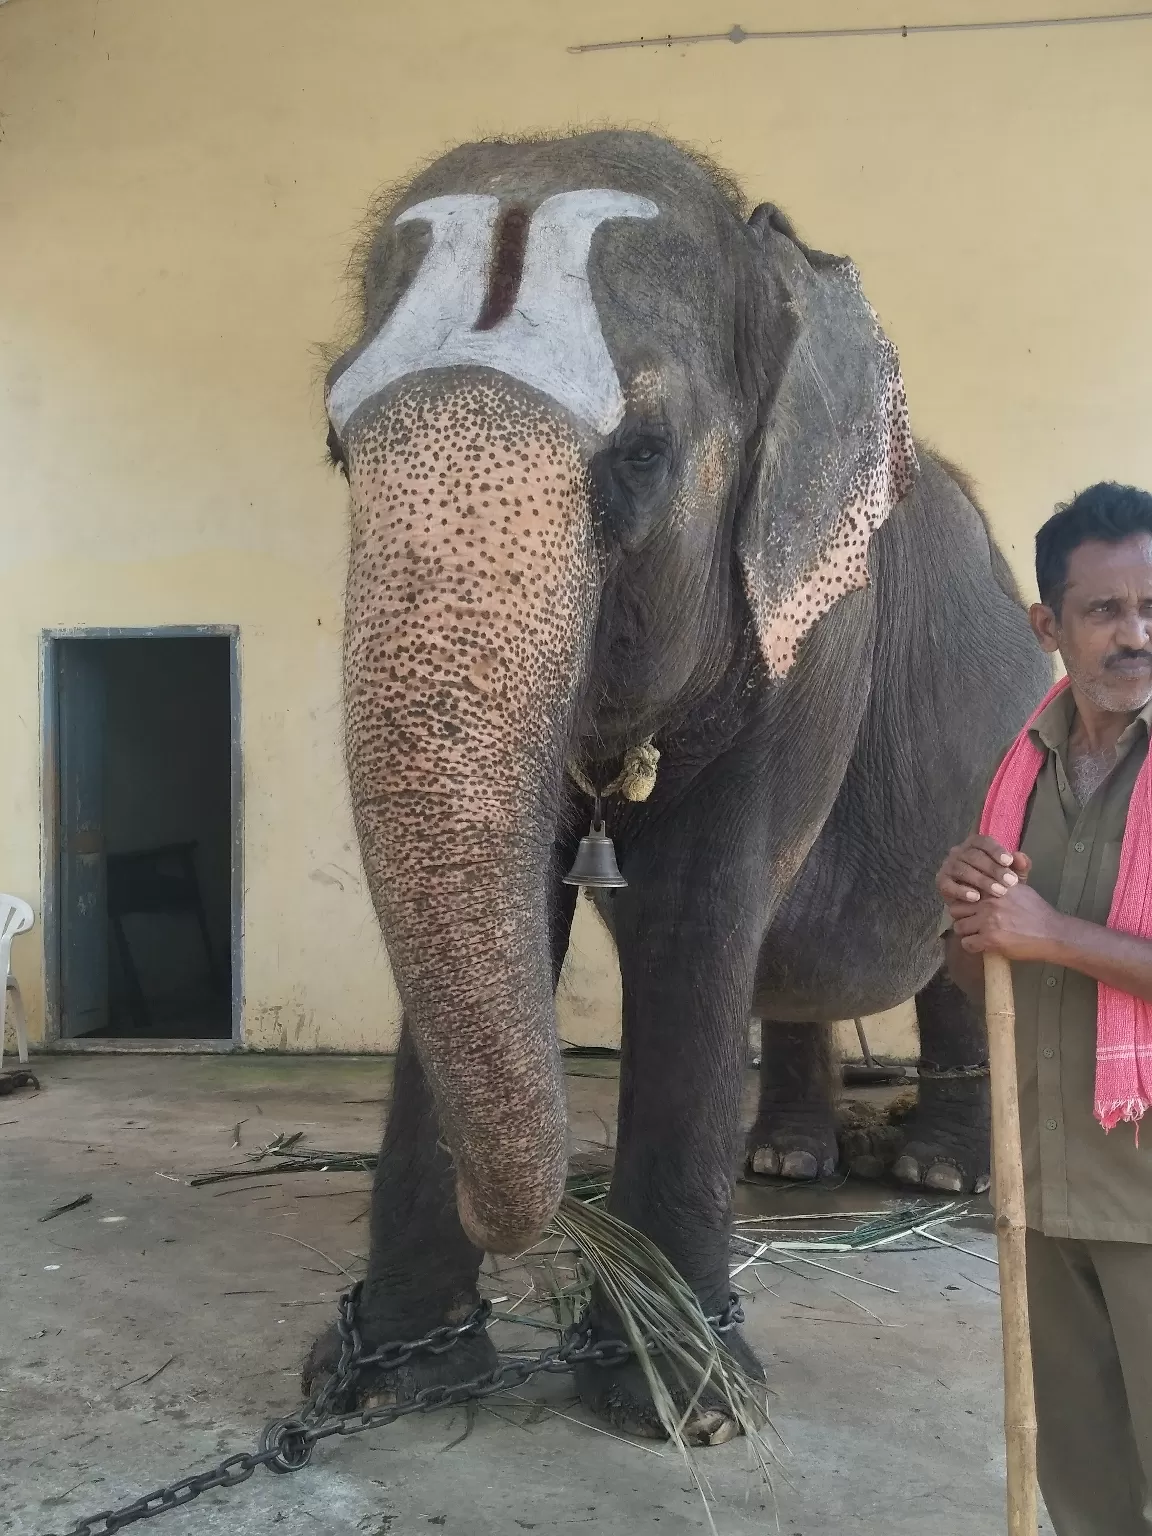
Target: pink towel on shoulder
point(1123, 1022)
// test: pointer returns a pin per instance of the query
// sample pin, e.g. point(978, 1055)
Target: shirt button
point(1048, 1053)
point(1079, 847)
point(1050, 981)
point(1050, 1125)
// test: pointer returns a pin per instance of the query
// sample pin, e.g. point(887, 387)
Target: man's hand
point(995, 913)
point(1020, 925)
point(980, 867)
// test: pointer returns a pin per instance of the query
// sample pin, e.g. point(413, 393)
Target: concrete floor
point(154, 1329)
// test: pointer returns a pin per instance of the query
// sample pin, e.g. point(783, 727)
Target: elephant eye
point(642, 456)
point(631, 478)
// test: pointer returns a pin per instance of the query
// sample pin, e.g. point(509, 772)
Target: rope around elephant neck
point(635, 781)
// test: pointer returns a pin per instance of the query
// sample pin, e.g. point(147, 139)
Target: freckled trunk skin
point(471, 598)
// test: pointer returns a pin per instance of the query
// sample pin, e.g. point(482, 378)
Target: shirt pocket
point(1105, 883)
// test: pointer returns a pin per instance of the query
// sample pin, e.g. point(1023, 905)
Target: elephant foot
point(619, 1395)
point(473, 1355)
point(872, 1136)
point(793, 1144)
point(946, 1141)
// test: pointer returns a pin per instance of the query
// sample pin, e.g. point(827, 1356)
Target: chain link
point(935, 1074)
point(227, 1474)
point(287, 1444)
point(731, 1317)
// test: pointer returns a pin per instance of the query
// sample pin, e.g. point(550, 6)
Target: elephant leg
point(686, 999)
point(946, 1143)
point(794, 1136)
point(422, 1269)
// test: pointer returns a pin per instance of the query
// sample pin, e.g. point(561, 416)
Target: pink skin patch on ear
point(877, 484)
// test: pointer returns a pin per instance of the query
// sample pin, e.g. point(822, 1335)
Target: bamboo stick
point(1019, 1395)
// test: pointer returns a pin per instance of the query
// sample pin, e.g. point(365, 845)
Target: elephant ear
point(835, 451)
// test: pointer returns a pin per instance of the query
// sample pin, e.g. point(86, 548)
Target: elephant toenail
point(766, 1160)
point(982, 1184)
point(716, 1429)
point(866, 1167)
point(799, 1165)
point(703, 1425)
point(908, 1171)
point(944, 1177)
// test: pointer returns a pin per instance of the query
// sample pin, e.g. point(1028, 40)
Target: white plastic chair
point(15, 917)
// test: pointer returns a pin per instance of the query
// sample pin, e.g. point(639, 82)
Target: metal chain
point(941, 1074)
point(731, 1317)
point(287, 1444)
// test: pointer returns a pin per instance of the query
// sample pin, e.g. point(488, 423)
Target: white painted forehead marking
point(552, 339)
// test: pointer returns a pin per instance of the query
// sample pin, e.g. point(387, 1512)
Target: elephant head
point(603, 435)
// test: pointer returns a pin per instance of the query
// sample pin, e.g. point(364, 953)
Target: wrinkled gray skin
point(525, 589)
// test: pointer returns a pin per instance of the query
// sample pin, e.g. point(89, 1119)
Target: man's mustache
point(1119, 657)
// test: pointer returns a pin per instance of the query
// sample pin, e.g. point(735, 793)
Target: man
point(1043, 903)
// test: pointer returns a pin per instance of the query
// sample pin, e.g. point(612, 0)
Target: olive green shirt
point(1079, 1181)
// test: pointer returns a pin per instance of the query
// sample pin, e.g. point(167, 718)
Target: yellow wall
point(179, 186)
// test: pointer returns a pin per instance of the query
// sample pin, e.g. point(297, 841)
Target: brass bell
point(595, 862)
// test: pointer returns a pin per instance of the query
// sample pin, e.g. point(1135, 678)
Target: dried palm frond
point(680, 1354)
point(864, 1230)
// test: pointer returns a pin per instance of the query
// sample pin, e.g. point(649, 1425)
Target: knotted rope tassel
point(635, 781)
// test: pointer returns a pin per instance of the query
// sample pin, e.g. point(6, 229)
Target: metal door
point(83, 914)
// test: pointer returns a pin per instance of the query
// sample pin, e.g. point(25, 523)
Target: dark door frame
point(51, 935)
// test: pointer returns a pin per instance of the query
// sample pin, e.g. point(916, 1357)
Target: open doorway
point(146, 835)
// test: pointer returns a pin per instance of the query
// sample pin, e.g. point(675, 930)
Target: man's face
point(1104, 628)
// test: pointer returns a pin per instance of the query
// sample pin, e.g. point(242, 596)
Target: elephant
point(629, 463)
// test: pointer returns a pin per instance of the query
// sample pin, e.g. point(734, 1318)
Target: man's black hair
point(1108, 512)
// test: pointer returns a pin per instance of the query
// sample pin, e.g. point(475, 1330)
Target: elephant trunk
point(470, 604)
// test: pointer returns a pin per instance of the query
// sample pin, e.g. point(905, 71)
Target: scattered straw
point(288, 1238)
